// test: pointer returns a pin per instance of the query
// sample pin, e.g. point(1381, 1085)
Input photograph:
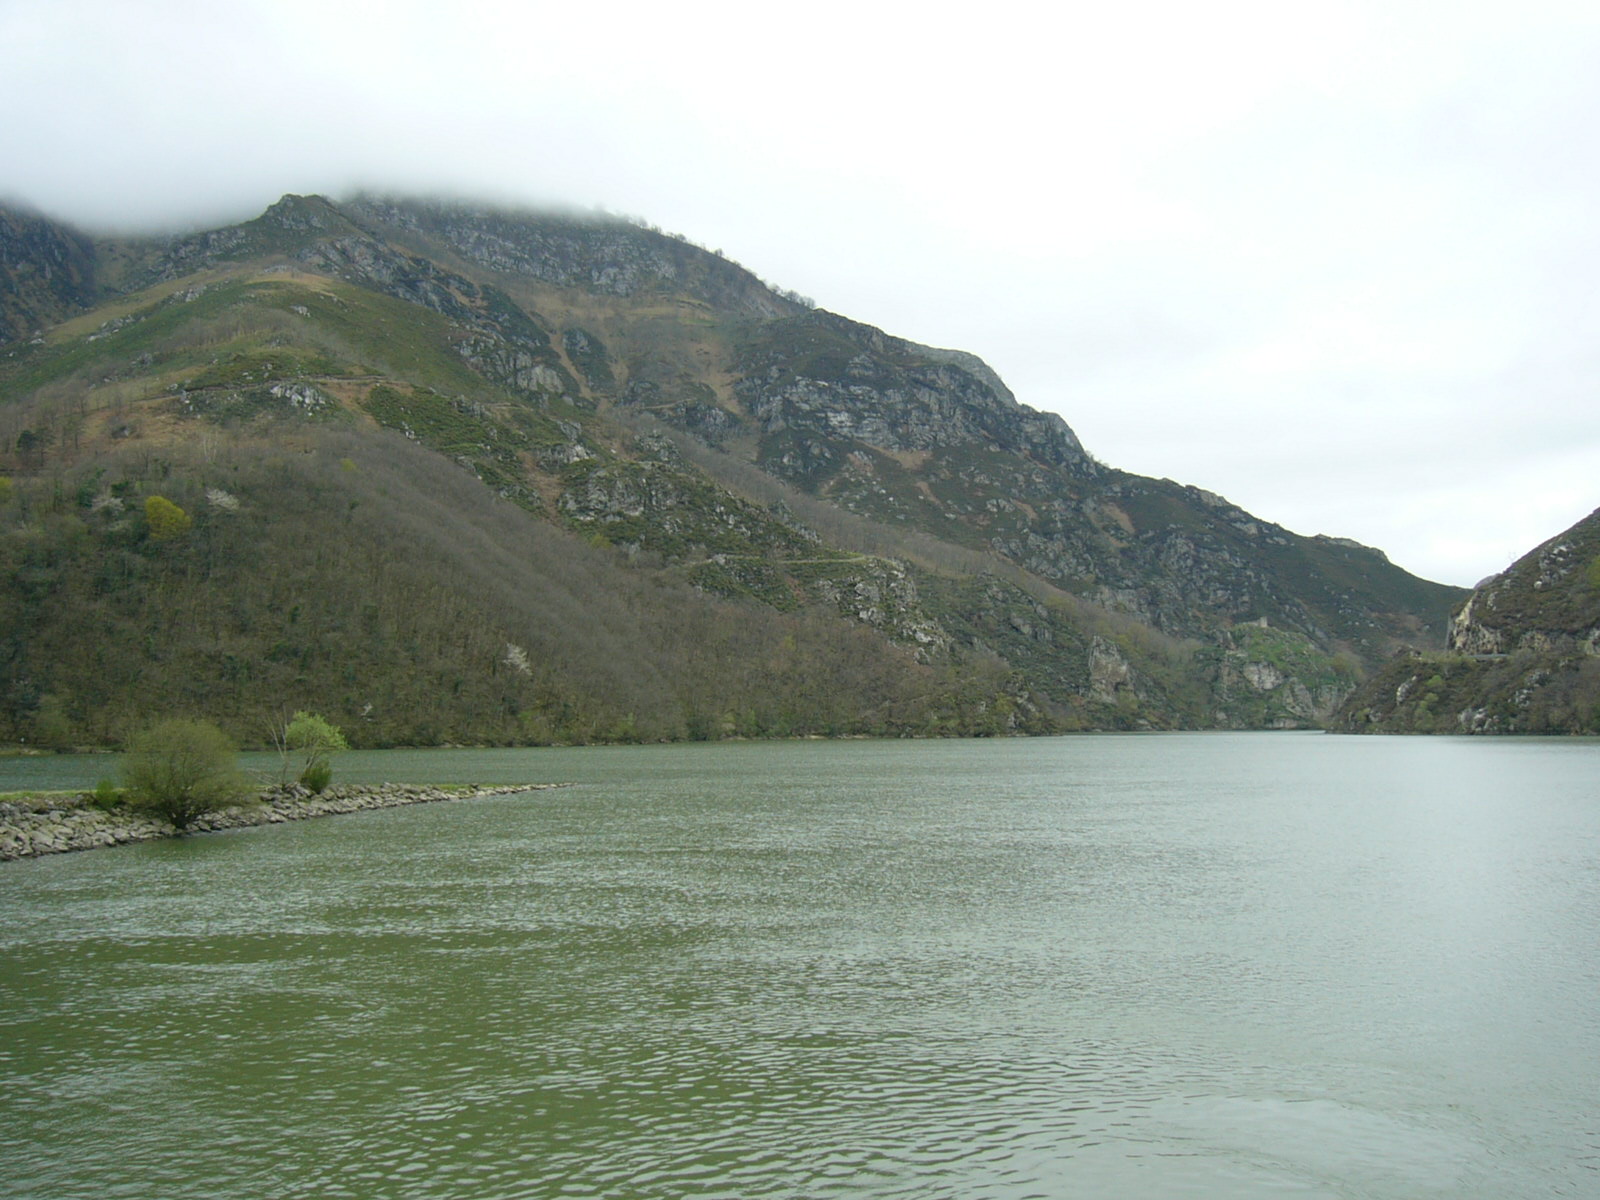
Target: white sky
point(1339, 262)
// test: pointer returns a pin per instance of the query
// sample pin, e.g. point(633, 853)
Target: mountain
point(450, 473)
point(1523, 654)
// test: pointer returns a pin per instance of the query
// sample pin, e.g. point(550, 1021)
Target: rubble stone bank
point(32, 826)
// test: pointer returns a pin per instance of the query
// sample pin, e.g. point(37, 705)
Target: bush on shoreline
point(179, 770)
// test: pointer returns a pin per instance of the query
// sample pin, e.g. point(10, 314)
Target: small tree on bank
point(179, 770)
point(315, 740)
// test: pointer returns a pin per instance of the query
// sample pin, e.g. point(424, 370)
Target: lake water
point(1214, 965)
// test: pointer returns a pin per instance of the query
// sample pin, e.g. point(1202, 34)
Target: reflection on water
point(1220, 965)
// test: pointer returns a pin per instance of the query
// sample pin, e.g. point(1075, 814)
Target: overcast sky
point(1338, 262)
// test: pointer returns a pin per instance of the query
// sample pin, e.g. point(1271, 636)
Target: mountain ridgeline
point(449, 474)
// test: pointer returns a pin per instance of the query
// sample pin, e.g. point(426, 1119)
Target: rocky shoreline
point(34, 826)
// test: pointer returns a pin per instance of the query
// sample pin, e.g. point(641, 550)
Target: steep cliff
point(46, 274)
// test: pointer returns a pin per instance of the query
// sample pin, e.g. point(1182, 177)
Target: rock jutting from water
point(57, 824)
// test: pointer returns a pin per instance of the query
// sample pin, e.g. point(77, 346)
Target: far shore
point(39, 823)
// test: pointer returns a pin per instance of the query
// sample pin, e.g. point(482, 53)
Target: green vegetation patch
point(666, 510)
point(465, 431)
point(396, 339)
point(258, 367)
point(176, 329)
point(1453, 693)
point(1555, 588)
point(756, 579)
point(590, 356)
point(1294, 655)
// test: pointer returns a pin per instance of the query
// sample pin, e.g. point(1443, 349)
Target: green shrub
point(165, 519)
point(317, 776)
point(106, 795)
point(180, 770)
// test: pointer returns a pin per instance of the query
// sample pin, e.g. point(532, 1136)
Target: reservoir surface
point(1172, 965)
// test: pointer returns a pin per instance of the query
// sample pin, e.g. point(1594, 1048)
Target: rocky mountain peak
point(835, 379)
point(592, 252)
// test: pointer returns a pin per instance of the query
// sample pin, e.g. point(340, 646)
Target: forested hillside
point(455, 475)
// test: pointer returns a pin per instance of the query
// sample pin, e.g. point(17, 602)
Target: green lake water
point(1214, 965)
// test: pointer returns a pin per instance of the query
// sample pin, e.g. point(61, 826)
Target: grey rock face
point(602, 255)
point(46, 274)
point(890, 394)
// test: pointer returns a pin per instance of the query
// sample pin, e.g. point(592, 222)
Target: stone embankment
point(32, 826)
